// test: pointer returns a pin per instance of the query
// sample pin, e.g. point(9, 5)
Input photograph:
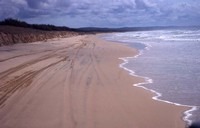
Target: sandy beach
point(76, 82)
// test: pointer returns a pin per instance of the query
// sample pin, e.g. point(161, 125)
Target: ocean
point(169, 60)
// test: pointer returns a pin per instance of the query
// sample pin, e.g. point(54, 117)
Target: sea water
point(169, 60)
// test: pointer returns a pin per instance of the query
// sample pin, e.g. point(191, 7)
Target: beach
point(76, 82)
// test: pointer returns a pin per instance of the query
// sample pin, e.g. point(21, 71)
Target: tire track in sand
point(20, 82)
point(9, 86)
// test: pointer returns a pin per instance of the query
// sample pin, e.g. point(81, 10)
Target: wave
point(186, 115)
point(159, 35)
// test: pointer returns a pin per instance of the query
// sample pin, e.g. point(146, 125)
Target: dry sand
point(76, 83)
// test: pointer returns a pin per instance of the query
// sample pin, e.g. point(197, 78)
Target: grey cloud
point(34, 3)
point(75, 7)
point(102, 12)
point(30, 13)
point(7, 10)
point(141, 4)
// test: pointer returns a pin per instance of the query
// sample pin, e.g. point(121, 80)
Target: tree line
point(45, 27)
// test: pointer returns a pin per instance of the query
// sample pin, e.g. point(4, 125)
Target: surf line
point(186, 115)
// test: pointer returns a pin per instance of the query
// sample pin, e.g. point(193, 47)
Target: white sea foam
point(186, 115)
point(160, 35)
point(157, 36)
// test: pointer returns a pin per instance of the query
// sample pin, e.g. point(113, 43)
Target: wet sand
point(76, 82)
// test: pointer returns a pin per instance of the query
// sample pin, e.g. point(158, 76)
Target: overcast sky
point(103, 13)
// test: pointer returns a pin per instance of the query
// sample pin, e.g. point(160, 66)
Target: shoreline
point(77, 82)
point(158, 96)
point(186, 114)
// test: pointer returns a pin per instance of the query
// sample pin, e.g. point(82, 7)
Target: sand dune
point(76, 83)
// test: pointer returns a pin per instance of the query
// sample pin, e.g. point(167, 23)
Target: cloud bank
point(103, 13)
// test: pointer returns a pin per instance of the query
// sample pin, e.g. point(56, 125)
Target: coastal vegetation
point(45, 27)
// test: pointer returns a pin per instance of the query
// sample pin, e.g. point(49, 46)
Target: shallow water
point(171, 59)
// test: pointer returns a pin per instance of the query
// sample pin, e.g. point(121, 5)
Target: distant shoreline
point(14, 31)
